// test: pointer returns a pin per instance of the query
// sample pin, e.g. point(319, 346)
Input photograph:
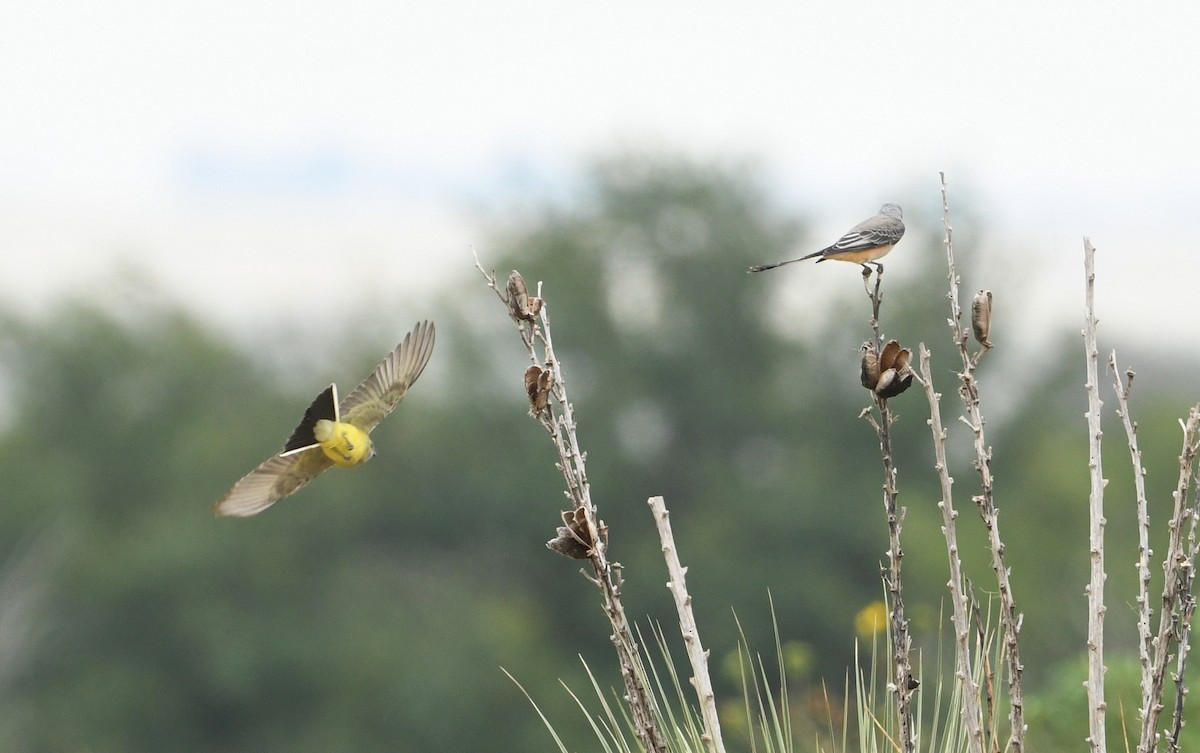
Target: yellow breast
point(344, 444)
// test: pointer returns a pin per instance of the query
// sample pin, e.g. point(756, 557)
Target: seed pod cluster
point(887, 374)
point(573, 540)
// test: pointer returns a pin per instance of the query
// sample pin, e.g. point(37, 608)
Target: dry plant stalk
point(1010, 619)
point(1145, 640)
point(903, 684)
point(1186, 608)
point(697, 656)
point(1177, 600)
point(1095, 590)
point(584, 534)
point(971, 713)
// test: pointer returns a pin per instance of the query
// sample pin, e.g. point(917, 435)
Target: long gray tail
point(765, 267)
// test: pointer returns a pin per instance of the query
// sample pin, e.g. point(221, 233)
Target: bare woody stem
point(971, 714)
point(1095, 590)
point(1177, 564)
point(697, 656)
point(903, 681)
point(558, 419)
point(904, 684)
point(1186, 609)
point(1179, 604)
point(1144, 610)
point(968, 390)
point(876, 297)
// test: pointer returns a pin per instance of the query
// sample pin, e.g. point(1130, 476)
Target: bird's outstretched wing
point(301, 459)
point(380, 393)
point(323, 407)
point(272, 481)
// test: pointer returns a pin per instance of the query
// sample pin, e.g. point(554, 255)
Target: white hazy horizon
point(240, 152)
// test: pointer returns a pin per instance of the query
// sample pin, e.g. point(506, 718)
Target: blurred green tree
point(133, 620)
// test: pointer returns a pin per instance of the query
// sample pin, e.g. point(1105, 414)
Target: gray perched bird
point(868, 241)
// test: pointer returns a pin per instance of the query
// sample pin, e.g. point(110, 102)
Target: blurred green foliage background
point(374, 610)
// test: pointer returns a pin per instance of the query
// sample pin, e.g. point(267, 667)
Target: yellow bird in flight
point(333, 433)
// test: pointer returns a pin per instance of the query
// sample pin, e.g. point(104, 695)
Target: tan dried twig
point(904, 683)
point(697, 656)
point(552, 409)
point(1095, 589)
point(1010, 619)
point(1144, 610)
point(971, 712)
point(1177, 581)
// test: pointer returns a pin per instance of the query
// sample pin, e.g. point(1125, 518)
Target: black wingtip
point(323, 407)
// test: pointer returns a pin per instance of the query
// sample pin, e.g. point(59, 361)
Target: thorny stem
point(1095, 590)
point(559, 422)
point(971, 715)
point(985, 502)
point(1187, 608)
point(697, 656)
point(876, 300)
point(1177, 567)
point(904, 684)
point(1144, 610)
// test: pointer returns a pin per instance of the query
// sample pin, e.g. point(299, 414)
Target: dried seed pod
point(567, 545)
point(518, 296)
point(538, 383)
point(885, 381)
point(869, 376)
point(898, 381)
point(887, 359)
point(981, 317)
point(889, 374)
point(521, 306)
point(573, 540)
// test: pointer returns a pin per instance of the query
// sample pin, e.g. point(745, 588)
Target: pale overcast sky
point(215, 143)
